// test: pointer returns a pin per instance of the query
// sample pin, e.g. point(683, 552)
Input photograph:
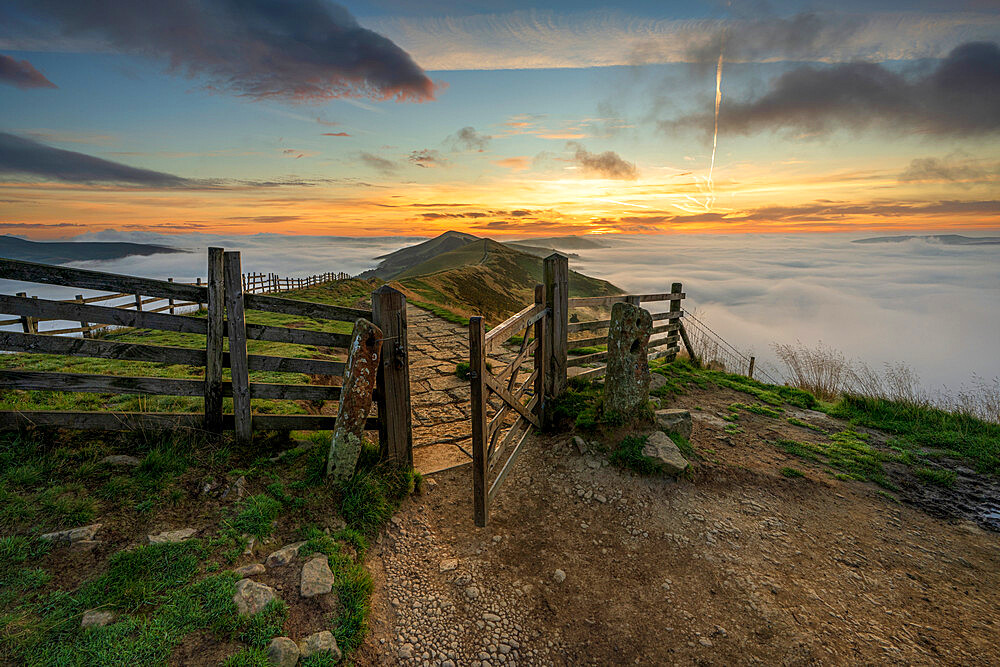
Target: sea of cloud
point(932, 306)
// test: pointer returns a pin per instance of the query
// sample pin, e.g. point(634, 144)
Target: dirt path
point(738, 565)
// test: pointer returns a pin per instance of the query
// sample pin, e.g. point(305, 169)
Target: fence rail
point(227, 294)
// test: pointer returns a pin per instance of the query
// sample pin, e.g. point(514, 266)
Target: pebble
point(559, 576)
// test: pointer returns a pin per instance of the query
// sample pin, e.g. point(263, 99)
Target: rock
point(705, 641)
point(171, 536)
point(284, 555)
point(559, 576)
point(320, 642)
point(251, 570)
point(449, 565)
point(406, 652)
point(674, 422)
point(580, 443)
point(472, 592)
point(96, 618)
point(626, 383)
point(251, 597)
point(662, 449)
point(429, 484)
point(317, 579)
point(656, 381)
point(282, 652)
point(73, 534)
point(122, 460)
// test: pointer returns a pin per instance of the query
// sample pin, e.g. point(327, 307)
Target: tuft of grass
point(936, 476)
point(256, 515)
point(847, 452)
point(247, 657)
point(763, 410)
point(798, 422)
point(791, 472)
point(682, 373)
point(629, 455)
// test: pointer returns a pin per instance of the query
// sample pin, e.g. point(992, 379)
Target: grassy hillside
point(61, 252)
point(485, 278)
point(396, 262)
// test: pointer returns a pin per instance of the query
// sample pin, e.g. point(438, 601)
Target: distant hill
point(397, 262)
point(566, 242)
point(486, 278)
point(944, 239)
point(62, 252)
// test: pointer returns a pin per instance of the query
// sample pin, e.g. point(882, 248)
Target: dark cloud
point(468, 139)
point(336, 134)
point(950, 169)
point(606, 165)
point(22, 74)
point(26, 157)
point(427, 158)
point(472, 215)
point(960, 96)
point(379, 163)
point(291, 49)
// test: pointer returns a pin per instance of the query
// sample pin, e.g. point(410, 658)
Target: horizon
point(518, 121)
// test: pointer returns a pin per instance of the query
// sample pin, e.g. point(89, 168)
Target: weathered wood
point(587, 342)
point(296, 336)
point(510, 399)
point(540, 355)
point(556, 274)
point(101, 384)
point(588, 325)
point(130, 421)
point(673, 326)
point(477, 384)
point(392, 392)
point(299, 422)
point(138, 302)
point(673, 295)
point(660, 342)
point(84, 326)
point(215, 332)
point(320, 311)
point(511, 460)
point(503, 331)
point(356, 400)
point(587, 359)
point(33, 272)
point(61, 310)
point(236, 323)
point(581, 301)
point(753, 361)
point(591, 373)
point(663, 352)
point(677, 293)
point(687, 342)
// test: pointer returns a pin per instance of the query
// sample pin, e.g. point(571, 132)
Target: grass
point(924, 427)
point(936, 476)
point(791, 473)
point(441, 312)
point(682, 373)
point(798, 422)
point(763, 410)
point(628, 454)
point(848, 453)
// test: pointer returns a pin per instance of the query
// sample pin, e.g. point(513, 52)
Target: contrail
point(710, 201)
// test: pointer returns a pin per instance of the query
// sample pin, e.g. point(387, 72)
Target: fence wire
point(712, 347)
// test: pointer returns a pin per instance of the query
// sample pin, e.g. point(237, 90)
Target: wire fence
point(713, 349)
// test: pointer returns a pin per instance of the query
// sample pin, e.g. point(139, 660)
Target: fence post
point(477, 384)
point(750, 371)
point(556, 274)
point(392, 391)
point(170, 301)
point(138, 302)
point(213, 342)
point(675, 307)
point(541, 357)
point(197, 281)
point(83, 325)
point(237, 345)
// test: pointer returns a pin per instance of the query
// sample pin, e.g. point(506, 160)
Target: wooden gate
point(504, 407)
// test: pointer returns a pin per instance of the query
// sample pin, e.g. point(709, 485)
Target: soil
point(735, 564)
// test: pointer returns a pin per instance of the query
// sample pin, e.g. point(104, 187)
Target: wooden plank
point(319, 311)
point(676, 289)
point(33, 272)
point(673, 295)
point(239, 369)
point(60, 310)
point(519, 360)
point(496, 423)
point(103, 349)
point(660, 342)
point(511, 400)
point(579, 302)
point(687, 342)
point(588, 325)
point(296, 336)
point(290, 392)
point(587, 359)
point(587, 342)
point(511, 460)
point(556, 274)
point(215, 332)
point(392, 391)
point(665, 352)
point(503, 331)
point(668, 315)
point(129, 421)
point(260, 362)
point(541, 359)
point(673, 326)
point(477, 383)
point(98, 384)
point(591, 373)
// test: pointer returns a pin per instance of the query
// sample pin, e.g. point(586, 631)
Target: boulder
point(251, 570)
point(251, 597)
point(626, 382)
point(282, 652)
point(172, 536)
point(73, 534)
point(317, 578)
point(661, 449)
point(284, 555)
point(320, 642)
point(656, 381)
point(96, 618)
point(675, 422)
point(449, 564)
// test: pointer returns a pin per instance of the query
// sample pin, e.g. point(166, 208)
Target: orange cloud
point(518, 163)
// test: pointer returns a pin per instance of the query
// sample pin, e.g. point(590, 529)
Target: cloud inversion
point(291, 49)
point(26, 157)
point(22, 74)
point(605, 165)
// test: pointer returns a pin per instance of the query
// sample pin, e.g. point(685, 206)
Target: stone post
point(626, 384)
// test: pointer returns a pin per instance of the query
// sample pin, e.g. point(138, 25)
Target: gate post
point(238, 366)
point(675, 307)
point(477, 385)
point(392, 389)
point(541, 356)
point(556, 273)
point(213, 343)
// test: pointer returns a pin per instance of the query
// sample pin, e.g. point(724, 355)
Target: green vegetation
point(798, 422)
point(847, 452)
point(629, 455)
point(441, 312)
point(682, 373)
point(920, 427)
point(936, 476)
point(758, 409)
point(791, 472)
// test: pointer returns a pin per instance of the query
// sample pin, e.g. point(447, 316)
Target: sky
point(504, 119)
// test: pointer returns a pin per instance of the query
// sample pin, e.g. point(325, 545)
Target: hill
point(944, 239)
point(396, 262)
point(563, 243)
point(485, 278)
point(62, 252)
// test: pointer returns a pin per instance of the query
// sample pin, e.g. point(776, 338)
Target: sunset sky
point(499, 118)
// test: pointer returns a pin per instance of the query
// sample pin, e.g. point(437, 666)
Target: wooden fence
point(269, 283)
point(226, 302)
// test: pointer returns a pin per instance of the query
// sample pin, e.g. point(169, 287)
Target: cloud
point(954, 168)
point(605, 165)
point(468, 139)
point(22, 74)
point(26, 157)
point(517, 163)
point(958, 97)
point(427, 158)
point(378, 163)
point(335, 134)
point(289, 49)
